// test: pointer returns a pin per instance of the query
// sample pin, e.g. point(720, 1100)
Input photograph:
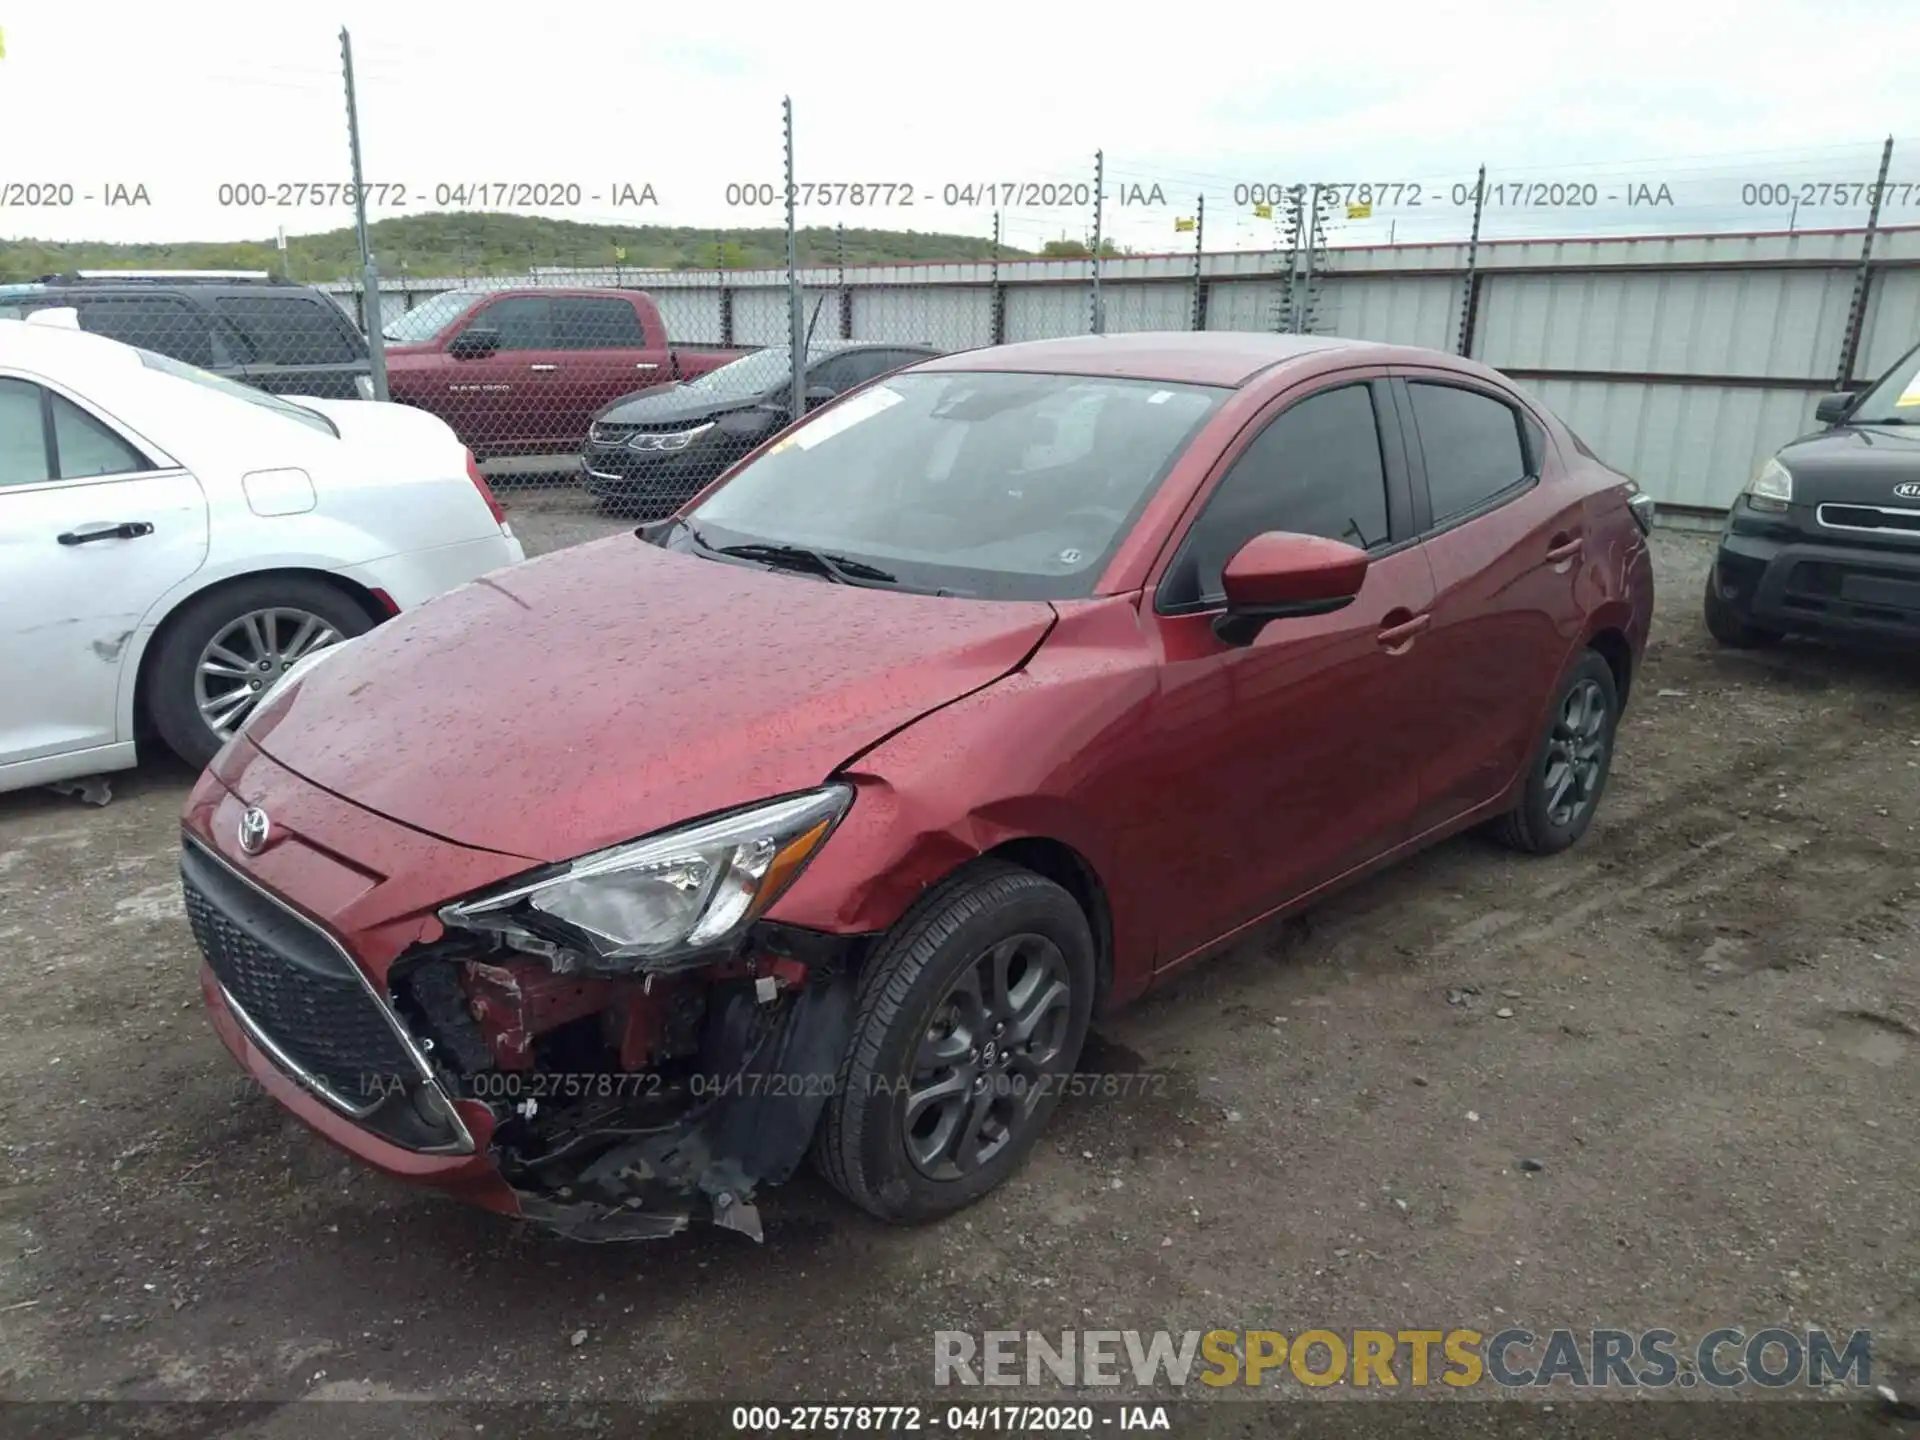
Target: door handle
point(1402, 633)
point(542, 369)
point(124, 530)
point(1563, 548)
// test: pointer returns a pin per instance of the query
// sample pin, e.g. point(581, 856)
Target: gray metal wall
point(1684, 361)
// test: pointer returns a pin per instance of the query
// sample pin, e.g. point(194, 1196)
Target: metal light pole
point(375, 322)
point(796, 325)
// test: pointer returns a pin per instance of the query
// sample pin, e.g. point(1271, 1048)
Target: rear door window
point(1472, 444)
point(581, 323)
point(153, 322)
point(83, 447)
point(291, 329)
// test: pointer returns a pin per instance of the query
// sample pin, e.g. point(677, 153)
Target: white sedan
point(170, 542)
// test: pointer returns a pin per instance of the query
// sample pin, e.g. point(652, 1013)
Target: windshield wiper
point(836, 568)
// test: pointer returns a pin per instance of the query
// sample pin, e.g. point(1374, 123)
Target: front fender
point(1047, 753)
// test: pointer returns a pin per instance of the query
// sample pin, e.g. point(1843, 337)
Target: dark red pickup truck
point(523, 372)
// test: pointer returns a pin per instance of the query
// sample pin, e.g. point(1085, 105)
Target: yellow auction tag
point(1360, 212)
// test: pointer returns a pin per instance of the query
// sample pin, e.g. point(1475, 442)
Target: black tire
point(1726, 626)
point(171, 701)
point(1546, 821)
point(862, 1146)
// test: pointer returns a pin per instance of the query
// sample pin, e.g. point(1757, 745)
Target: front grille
point(1869, 517)
point(297, 990)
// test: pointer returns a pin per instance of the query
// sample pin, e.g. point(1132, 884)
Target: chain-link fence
point(624, 367)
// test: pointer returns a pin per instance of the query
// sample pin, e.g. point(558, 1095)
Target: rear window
point(300, 414)
point(291, 329)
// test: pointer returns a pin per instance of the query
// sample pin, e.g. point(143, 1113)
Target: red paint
point(479, 480)
point(1291, 569)
point(613, 690)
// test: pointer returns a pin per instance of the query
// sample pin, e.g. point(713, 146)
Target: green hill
point(487, 243)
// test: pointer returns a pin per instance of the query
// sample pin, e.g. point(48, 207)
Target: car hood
point(1853, 464)
point(672, 403)
point(605, 692)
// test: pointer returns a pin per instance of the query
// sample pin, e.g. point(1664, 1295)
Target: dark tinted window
point(1472, 447)
point(290, 330)
point(843, 372)
point(83, 446)
point(153, 322)
point(524, 322)
point(24, 459)
point(597, 325)
point(1315, 470)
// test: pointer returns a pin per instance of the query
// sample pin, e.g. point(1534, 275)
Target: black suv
point(1826, 538)
point(247, 325)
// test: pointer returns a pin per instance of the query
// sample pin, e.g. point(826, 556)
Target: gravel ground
point(1701, 1024)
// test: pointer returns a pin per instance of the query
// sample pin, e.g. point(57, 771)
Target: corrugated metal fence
point(1684, 361)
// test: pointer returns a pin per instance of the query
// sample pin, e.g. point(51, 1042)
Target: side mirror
point(1280, 576)
point(820, 395)
point(475, 343)
point(1832, 409)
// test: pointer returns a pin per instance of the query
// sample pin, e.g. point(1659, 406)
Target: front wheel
point(224, 650)
point(971, 1015)
point(1570, 763)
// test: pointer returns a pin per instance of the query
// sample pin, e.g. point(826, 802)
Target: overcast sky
point(1703, 98)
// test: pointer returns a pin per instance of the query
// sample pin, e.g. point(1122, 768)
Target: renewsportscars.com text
point(1512, 1358)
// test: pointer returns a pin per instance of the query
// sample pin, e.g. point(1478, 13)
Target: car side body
point(374, 503)
point(1182, 775)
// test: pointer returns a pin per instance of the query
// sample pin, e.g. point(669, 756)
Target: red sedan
point(826, 814)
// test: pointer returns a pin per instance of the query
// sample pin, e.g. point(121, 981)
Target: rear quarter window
point(291, 329)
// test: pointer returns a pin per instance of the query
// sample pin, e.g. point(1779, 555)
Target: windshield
point(747, 377)
point(1895, 400)
point(313, 419)
point(993, 485)
point(428, 318)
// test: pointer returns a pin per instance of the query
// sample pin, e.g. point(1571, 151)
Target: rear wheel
point(1570, 763)
point(969, 1015)
point(1726, 626)
point(224, 650)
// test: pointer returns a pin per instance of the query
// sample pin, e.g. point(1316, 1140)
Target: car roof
point(42, 346)
point(841, 347)
point(1226, 357)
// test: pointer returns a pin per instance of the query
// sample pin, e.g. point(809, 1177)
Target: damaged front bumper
point(603, 1109)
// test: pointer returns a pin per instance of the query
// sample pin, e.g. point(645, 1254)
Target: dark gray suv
point(247, 325)
point(1826, 537)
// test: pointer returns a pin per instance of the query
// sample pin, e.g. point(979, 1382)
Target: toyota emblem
point(254, 829)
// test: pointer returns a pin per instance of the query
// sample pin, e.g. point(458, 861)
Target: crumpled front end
point(606, 1106)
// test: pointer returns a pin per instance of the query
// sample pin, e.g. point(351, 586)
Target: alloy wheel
point(1576, 753)
point(987, 1054)
point(241, 662)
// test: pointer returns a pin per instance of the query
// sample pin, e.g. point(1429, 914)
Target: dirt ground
point(1703, 1024)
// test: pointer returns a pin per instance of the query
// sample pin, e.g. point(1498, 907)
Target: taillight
point(486, 490)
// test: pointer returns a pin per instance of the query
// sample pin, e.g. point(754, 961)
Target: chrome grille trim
point(246, 1022)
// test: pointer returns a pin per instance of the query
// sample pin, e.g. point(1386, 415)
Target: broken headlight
point(685, 892)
